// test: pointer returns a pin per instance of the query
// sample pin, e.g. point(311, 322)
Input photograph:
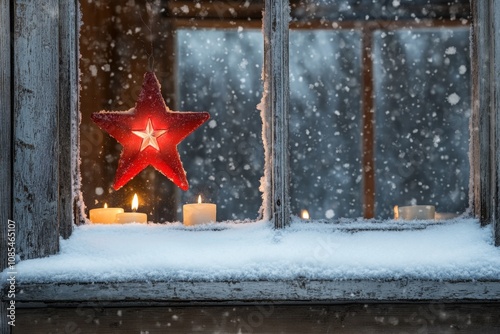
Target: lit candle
point(132, 217)
point(416, 212)
point(305, 215)
point(104, 215)
point(199, 213)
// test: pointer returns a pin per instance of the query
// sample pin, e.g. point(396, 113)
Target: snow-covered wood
point(5, 128)
point(36, 106)
point(276, 77)
point(69, 117)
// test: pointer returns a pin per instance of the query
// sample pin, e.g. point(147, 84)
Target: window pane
point(199, 69)
point(422, 113)
point(325, 127)
point(405, 86)
point(220, 71)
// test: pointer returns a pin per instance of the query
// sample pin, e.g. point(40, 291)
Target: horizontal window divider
point(379, 24)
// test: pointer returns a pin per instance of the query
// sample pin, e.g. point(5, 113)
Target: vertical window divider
point(368, 124)
point(276, 90)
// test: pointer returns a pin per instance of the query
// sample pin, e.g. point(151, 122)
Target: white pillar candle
point(199, 213)
point(132, 217)
point(104, 215)
point(416, 212)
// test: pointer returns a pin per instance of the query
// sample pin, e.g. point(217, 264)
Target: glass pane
point(393, 62)
point(220, 71)
point(422, 113)
point(206, 59)
point(325, 144)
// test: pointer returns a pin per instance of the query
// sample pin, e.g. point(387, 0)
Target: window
point(379, 104)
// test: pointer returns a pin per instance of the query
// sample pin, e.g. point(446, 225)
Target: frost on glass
point(220, 71)
point(422, 119)
point(325, 107)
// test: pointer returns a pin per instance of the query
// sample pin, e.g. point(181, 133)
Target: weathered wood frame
point(39, 134)
point(39, 176)
point(485, 122)
point(276, 96)
point(5, 127)
point(5, 144)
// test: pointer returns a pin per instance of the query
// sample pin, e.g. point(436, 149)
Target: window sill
point(253, 262)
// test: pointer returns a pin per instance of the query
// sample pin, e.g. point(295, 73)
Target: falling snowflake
point(451, 50)
point(453, 99)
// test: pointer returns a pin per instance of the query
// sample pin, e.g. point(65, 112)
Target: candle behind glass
point(132, 217)
point(416, 212)
point(104, 215)
point(199, 213)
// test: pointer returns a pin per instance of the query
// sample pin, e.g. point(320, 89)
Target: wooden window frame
point(40, 179)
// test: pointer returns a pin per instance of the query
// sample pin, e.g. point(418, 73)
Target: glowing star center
point(149, 136)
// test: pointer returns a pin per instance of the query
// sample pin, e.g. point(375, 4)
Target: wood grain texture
point(276, 75)
point(346, 318)
point(300, 290)
point(5, 128)
point(36, 100)
point(4, 326)
point(495, 11)
point(474, 152)
point(5, 144)
point(69, 116)
point(483, 99)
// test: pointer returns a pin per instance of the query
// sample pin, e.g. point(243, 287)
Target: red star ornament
point(149, 134)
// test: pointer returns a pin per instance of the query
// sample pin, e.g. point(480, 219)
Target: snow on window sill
point(454, 250)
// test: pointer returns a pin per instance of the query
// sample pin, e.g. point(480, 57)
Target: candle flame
point(396, 212)
point(105, 205)
point(135, 203)
point(199, 199)
point(305, 214)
